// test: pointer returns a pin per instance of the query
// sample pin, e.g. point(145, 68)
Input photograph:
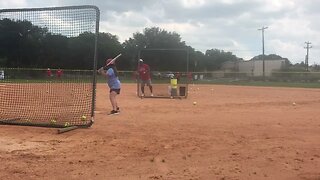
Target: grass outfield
point(265, 83)
point(220, 82)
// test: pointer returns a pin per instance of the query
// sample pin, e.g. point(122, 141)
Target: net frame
point(186, 84)
point(85, 122)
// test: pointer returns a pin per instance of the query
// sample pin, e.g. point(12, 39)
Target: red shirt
point(144, 72)
point(49, 73)
point(59, 73)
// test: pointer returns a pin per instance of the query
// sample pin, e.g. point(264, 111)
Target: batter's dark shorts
point(115, 90)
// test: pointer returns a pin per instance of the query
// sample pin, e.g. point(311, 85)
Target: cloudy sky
point(229, 25)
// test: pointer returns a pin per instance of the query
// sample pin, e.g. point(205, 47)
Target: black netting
point(38, 85)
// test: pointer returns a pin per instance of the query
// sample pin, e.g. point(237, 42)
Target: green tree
point(20, 42)
point(54, 52)
point(196, 61)
point(215, 58)
point(109, 47)
point(156, 38)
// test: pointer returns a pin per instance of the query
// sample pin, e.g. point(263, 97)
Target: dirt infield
point(233, 132)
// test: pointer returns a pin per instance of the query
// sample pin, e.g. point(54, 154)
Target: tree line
point(24, 45)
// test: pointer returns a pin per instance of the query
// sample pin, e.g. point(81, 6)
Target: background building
point(254, 67)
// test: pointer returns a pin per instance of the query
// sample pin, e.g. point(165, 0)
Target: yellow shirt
point(174, 83)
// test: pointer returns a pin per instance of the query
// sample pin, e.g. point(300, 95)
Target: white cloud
point(12, 3)
point(278, 5)
point(193, 3)
point(283, 47)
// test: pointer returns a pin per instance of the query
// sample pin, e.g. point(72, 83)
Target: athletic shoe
point(113, 112)
point(142, 95)
point(151, 95)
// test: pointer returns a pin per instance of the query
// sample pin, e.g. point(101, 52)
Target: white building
point(255, 67)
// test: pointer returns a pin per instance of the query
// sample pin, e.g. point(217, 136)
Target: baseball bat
point(114, 59)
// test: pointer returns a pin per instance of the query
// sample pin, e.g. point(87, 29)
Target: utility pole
point(263, 64)
point(307, 56)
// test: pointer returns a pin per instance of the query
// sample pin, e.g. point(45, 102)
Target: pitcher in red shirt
point(144, 74)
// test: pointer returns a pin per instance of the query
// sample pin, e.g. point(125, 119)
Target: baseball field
point(218, 132)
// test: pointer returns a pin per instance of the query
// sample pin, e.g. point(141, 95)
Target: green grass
point(220, 82)
point(264, 83)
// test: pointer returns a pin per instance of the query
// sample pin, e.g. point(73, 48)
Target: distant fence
point(296, 76)
point(212, 77)
point(16, 74)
